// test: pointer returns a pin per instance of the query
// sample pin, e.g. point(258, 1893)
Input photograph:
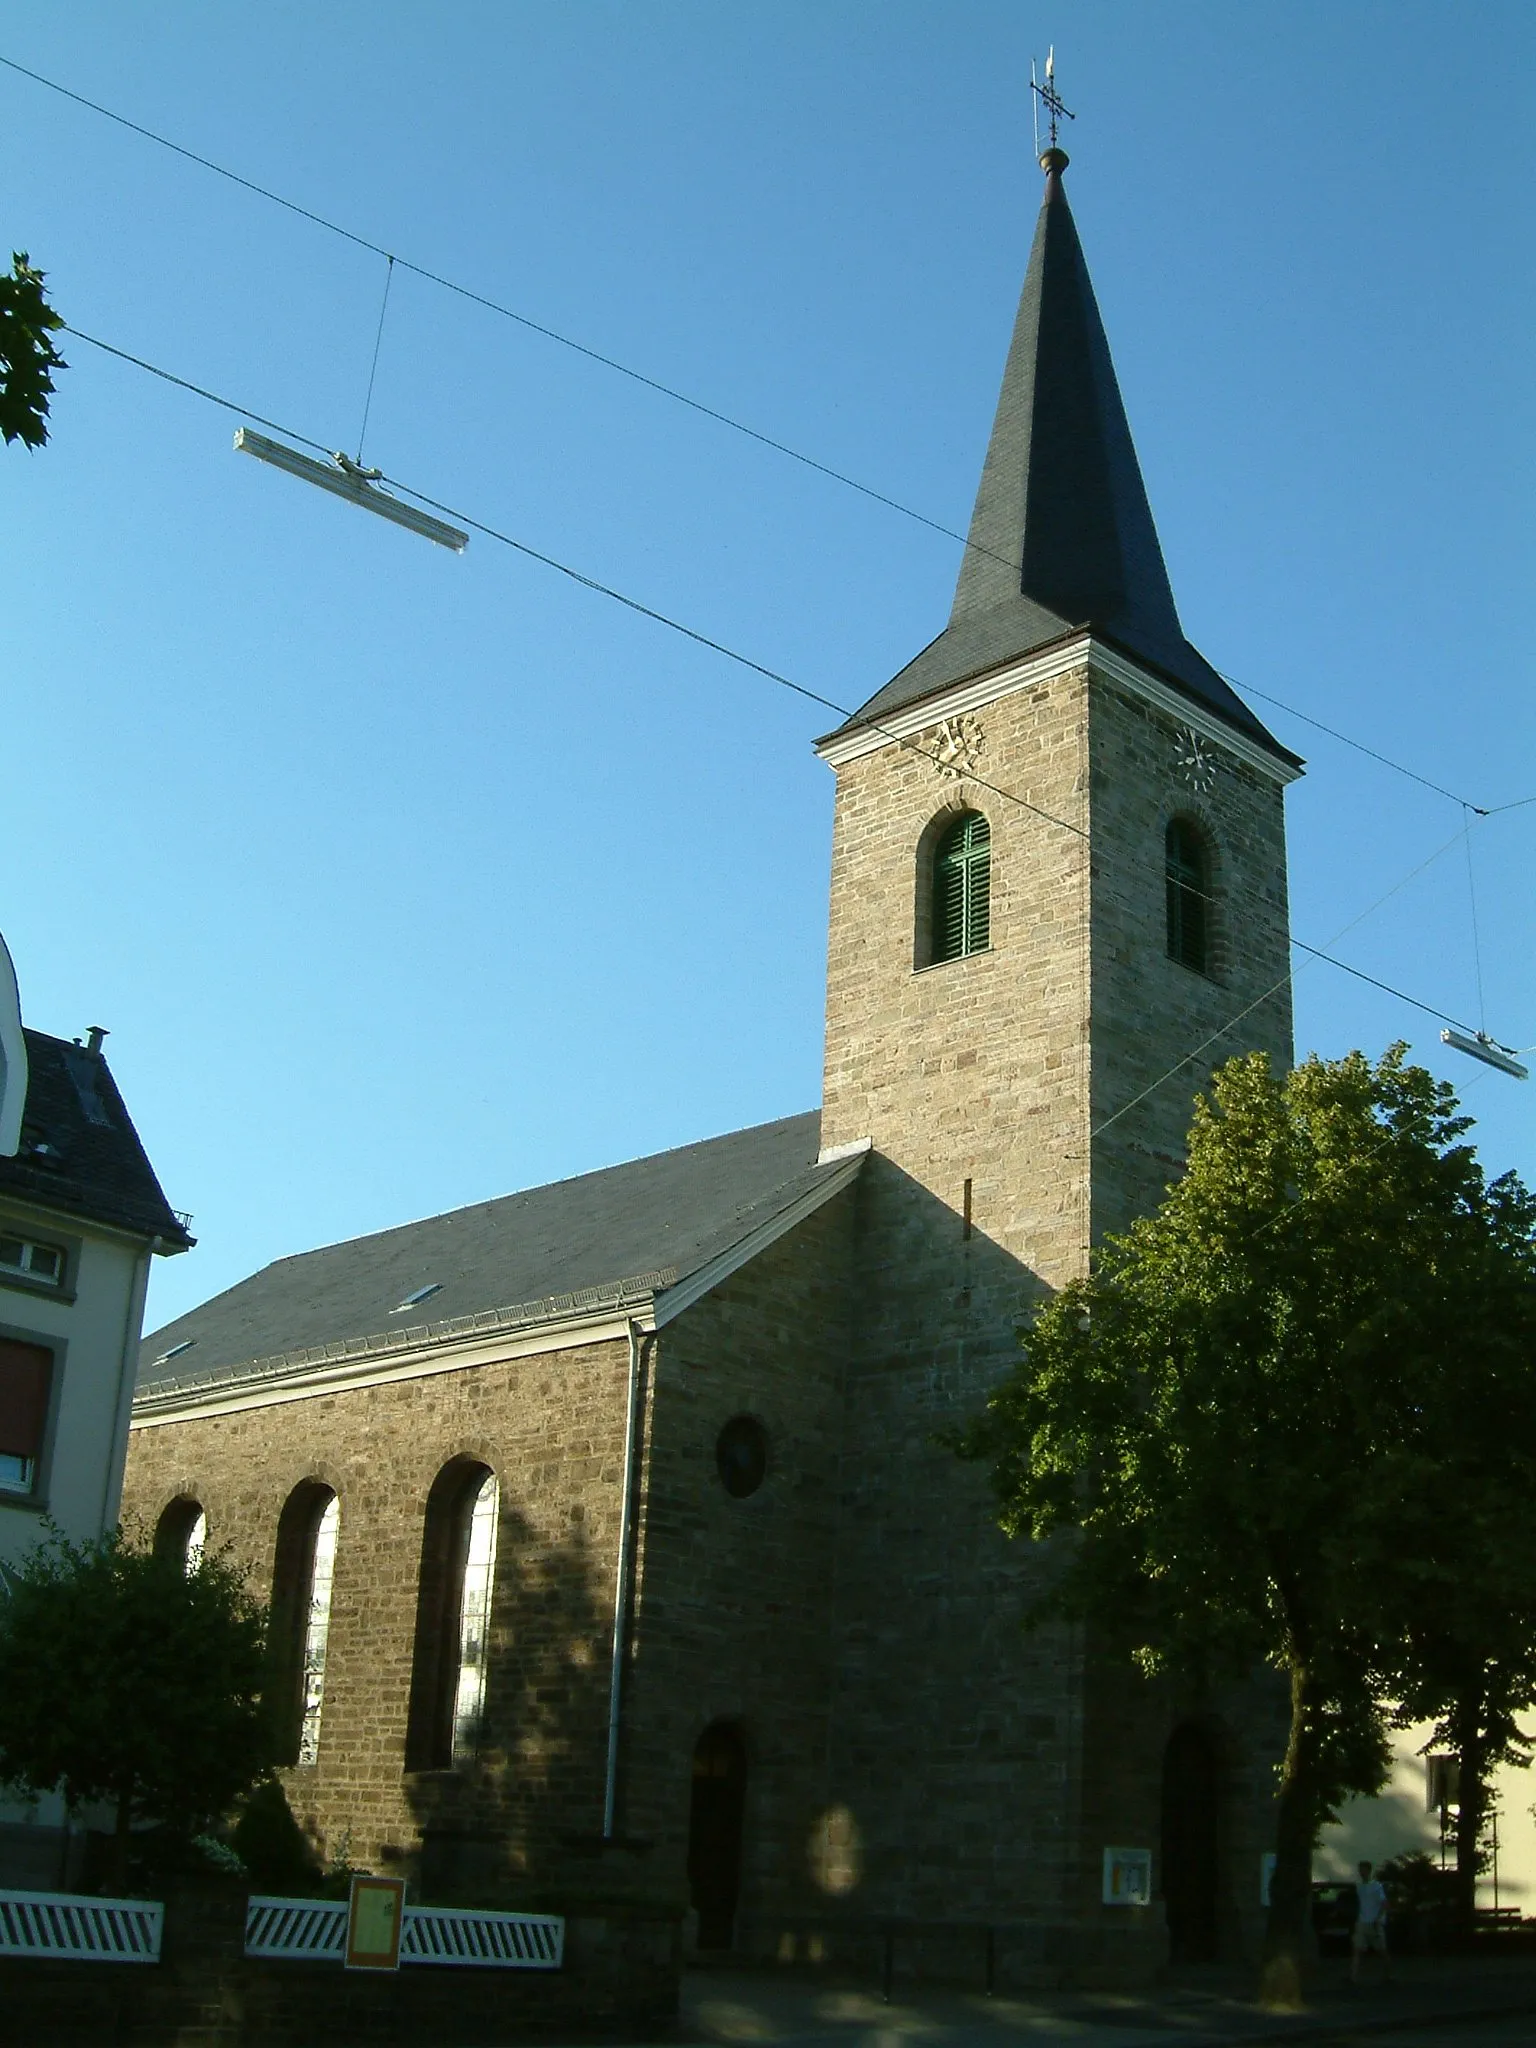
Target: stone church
point(611, 1547)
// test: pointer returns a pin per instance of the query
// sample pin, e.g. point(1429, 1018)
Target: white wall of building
point(95, 1339)
point(1400, 1818)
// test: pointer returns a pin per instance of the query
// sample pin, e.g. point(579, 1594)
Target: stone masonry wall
point(984, 1767)
point(551, 1427)
point(734, 1613)
point(956, 1734)
point(1149, 1011)
point(731, 1608)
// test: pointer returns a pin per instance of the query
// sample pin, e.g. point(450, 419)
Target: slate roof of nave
point(636, 1228)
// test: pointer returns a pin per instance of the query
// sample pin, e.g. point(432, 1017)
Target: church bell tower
point(1058, 902)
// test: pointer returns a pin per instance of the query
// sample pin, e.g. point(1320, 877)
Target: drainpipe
point(128, 1370)
point(622, 1579)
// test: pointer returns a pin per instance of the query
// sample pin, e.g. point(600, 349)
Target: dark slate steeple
point(1061, 539)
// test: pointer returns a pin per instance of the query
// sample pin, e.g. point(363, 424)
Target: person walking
point(1370, 1935)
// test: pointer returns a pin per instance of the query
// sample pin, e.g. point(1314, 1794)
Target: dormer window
point(32, 1257)
point(415, 1300)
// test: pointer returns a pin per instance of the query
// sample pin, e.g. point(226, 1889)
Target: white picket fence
point(312, 1930)
point(80, 1929)
point(315, 1930)
point(499, 1941)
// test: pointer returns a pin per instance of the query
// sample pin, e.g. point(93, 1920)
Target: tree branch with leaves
point(1241, 1416)
point(28, 357)
point(127, 1680)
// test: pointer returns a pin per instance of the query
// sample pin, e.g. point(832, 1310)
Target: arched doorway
point(714, 1831)
point(1191, 1834)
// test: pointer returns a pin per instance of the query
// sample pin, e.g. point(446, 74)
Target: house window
point(26, 1379)
point(301, 1617)
point(962, 889)
point(45, 1262)
point(1187, 867)
point(453, 1609)
point(181, 1534)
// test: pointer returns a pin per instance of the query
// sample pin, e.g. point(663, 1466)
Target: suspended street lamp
point(347, 479)
point(1483, 1048)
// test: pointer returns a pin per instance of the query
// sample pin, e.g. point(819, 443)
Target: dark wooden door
point(714, 1831)
point(1191, 1832)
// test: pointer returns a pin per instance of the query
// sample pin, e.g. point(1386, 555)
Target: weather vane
point(1048, 97)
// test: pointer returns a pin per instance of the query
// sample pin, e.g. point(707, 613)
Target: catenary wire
point(816, 697)
point(1477, 944)
point(373, 367)
point(496, 306)
point(592, 583)
point(671, 392)
point(1429, 1009)
point(1253, 690)
point(1275, 987)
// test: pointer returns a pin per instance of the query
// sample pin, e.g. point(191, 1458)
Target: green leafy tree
point(28, 357)
point(125, 1679)
point(1464, 1653)
point(1242, 1414)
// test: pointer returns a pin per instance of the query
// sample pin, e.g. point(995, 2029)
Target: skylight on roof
point(421, 1294)
point(175, 1351)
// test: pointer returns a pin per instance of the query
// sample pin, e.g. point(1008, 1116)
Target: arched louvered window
point(299, 1625)
point(1187, 866)
point(458, 1570)
point(962, 888)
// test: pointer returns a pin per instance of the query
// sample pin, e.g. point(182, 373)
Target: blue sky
point(403, 880)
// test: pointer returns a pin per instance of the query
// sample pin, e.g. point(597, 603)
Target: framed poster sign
point(375, 1915)
point(1127, 1877)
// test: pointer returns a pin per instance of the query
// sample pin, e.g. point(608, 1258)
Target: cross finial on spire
point(1048, 97)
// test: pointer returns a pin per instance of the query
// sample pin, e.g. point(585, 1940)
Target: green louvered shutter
point(1187, 869)
point(962, 888)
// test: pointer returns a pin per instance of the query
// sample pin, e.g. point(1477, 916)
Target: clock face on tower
point(1195, 759)
point(957, 745)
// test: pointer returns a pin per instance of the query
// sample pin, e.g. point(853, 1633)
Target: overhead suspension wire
point(373, 367)
point(1413, 775)
point(1477, 950)
point(591, 583)
point(1286, 980)
point(663, 390)
point(732, 654)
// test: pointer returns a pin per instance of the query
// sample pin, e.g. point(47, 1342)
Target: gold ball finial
point(1054, 159)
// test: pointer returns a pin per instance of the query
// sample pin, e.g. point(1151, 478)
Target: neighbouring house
point(612, 1543)
point(81, 1217)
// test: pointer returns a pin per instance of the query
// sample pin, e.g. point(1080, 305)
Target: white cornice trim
point(1108, 662)
point(345, 1376)
point(1115, 668)
point(855, 1149)
point(671, 1303)
point(271, 1383)
point(911, 719)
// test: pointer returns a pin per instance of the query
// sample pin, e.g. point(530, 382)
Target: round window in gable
point(741, 1454)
